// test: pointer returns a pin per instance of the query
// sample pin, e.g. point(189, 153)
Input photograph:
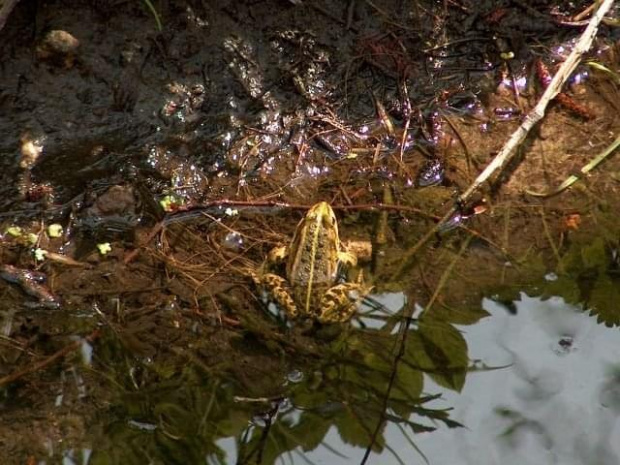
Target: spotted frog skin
point(310, 288)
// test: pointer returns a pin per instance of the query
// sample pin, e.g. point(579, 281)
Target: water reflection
point(363, 388)
point(333, 415)
point(535, 385)
point(545, 391)
point(553, 405)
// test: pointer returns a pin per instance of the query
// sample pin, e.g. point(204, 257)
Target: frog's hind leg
point(340, 303)
point(279, 291)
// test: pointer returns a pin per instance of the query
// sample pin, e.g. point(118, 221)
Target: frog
point(310, 287)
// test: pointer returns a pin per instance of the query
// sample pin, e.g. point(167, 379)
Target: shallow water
point(546, 391)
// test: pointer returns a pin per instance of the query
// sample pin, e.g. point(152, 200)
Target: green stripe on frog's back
point(318, 227)
point(313, 255)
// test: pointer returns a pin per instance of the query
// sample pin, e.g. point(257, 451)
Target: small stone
point(58, 47)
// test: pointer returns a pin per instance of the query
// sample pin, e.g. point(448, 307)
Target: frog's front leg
point(278, 255)
point(340, 302)
point(347, 258)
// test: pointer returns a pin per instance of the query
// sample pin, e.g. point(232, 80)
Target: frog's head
point(322, 215)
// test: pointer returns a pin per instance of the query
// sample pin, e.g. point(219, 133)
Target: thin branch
point(408, 313)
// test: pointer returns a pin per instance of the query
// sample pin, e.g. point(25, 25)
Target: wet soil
point(195, 149)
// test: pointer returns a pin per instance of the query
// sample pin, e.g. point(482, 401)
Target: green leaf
point(311, 430)
point(441, 350)
point(459, 315)
point(572, 260)
point(594, 255)
point(604, 300)
point(408, 384)
point(564, 286)
point(355, 429)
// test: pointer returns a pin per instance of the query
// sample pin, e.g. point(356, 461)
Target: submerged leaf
point(440, 350)
point(604, 300)
point(459, 315)
point(311, 430)
point(564, 286)
point(354, 427)
point(594, 255)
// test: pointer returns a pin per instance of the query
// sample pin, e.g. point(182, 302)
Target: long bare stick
point(534, 116)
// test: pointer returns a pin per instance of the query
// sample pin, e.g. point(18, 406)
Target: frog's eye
point(329, 220)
